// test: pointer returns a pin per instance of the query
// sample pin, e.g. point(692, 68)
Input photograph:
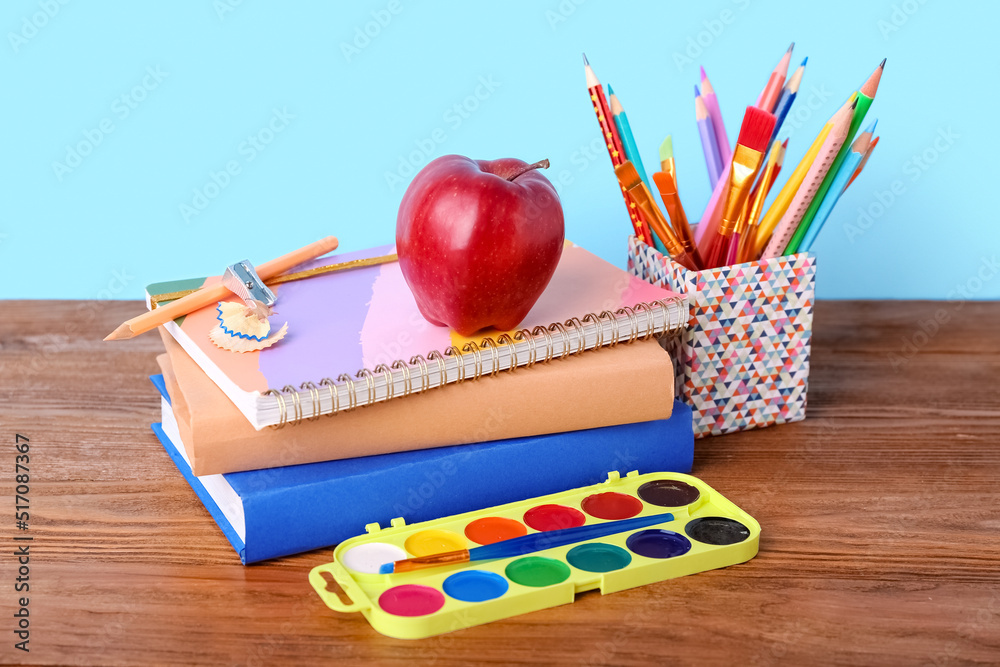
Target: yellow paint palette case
point(689, 527)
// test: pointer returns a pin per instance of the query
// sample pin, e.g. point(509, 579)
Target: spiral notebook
point(356, 337)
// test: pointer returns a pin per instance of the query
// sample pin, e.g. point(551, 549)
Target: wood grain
point(880, 516)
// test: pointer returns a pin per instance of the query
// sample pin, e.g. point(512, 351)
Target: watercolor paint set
point(481, 566)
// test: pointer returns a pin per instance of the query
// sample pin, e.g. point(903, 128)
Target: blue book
point(283, 511)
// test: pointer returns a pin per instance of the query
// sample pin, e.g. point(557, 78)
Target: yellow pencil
point(839, 124)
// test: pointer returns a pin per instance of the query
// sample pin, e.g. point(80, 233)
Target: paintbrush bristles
point(667, 149)
point(756, 129)
point(627, 175)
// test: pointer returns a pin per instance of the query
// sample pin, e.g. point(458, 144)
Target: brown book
point(618, 385)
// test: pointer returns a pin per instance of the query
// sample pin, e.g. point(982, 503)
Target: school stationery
point(696, 529)
point(857, 152)
point(864, 161)
point(156, 299)
point(611, 138)
point(286, 510)
point(783, 201)
point(624, 384)
point(788, 95)
point(748, 226)
point(525, 544)
point(768, 98)
point(629, 179)
point(747, 160)
point(666, 183)
point(631, 154)
point(790, 221)
point(712, 104)
point(367, 318)
point(709, 145)
point(865, 95)
point(212, 293)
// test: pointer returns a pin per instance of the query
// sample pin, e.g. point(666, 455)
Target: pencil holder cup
point(743, 361)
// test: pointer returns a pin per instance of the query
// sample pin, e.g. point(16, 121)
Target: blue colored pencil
point(788, 94)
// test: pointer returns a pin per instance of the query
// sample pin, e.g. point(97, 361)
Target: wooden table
point(880, 516)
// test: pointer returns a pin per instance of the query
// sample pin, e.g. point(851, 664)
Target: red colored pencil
point(772, 90)
point(616, 149)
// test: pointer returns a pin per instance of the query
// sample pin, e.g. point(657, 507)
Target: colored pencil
point(784, 198)
point(709, 145)
point(747, 160)
point(768, 97)
point(631, 150)
point(781, 162)
point(214, 293)
point(788, 95)
point(758, 207)
point(712, 104)
point(613, 142)
point(854, 156)
point(864, 161)
point(526, 544)
point(865, 96)
point(839, 123)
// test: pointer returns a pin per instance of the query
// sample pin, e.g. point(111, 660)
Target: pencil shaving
point(245, 328)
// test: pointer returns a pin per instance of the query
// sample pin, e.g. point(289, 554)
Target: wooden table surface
point(880, 516)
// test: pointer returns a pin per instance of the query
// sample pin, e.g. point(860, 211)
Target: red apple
point(478, 240)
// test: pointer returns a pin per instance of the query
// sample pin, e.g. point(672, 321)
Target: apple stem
point(541, 164)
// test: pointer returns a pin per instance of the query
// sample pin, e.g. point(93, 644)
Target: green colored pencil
point(866, 94)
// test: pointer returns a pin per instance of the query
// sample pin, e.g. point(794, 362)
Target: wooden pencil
point(854, 157)
point(840, 123)
point(788, 95)
point(712, 104)
point(213, 293)
point(616, 151)
point(768, 97)
point(865, 96)
point(631, 154)
point(864, 161)
point(709, 145)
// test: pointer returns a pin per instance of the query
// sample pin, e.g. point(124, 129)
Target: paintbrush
point(755, 204)
point(526, 544)
point(666, 183)
point(747, 159)
point(629, 179)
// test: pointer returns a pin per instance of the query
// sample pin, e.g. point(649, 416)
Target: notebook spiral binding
point(305, 403)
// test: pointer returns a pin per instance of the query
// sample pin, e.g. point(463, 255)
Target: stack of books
point(291, 448)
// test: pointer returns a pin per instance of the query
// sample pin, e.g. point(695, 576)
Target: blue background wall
point(168, 94)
